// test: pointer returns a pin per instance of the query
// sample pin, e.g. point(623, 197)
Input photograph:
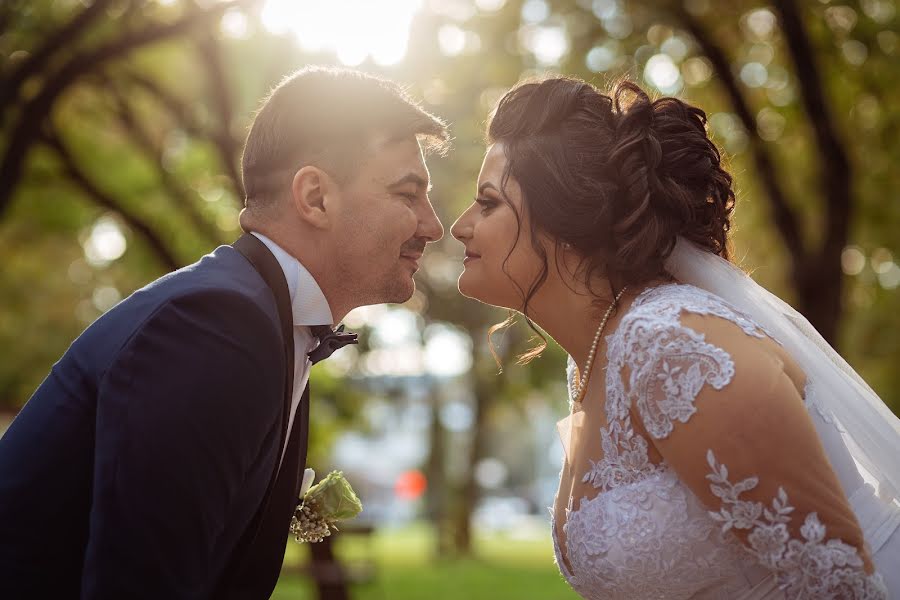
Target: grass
point(405, 568)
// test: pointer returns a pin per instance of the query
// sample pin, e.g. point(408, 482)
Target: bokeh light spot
point(662, 73)
point(353, 29)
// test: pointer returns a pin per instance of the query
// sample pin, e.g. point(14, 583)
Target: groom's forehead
point(399, 162)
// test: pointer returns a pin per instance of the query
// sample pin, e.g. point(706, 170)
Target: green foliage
point(184, 192)
point(404, 567)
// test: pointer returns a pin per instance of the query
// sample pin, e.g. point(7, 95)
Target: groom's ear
point(308, 191)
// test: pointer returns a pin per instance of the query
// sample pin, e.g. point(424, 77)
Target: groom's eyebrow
point(415, 178)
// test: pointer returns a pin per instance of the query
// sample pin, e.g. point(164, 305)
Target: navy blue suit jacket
point(144, 465)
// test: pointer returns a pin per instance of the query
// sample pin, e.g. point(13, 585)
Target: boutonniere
point(322, 505)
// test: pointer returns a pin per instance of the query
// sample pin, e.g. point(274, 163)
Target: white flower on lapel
point(309, 476)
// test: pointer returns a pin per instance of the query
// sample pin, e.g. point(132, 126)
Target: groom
point(162, 456)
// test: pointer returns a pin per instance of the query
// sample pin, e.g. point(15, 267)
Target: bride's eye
point(485, 204)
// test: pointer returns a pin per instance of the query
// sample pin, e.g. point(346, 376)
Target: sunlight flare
point(353, 29)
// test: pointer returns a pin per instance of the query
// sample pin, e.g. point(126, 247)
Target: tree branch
point(785, 219)
point(7, 10)
point(836, 168)
point(220, 93)
point(35, 110)
point(11, 85)
point(165, 256)
point(821, 286)
point(142, 139)
point(179, 110)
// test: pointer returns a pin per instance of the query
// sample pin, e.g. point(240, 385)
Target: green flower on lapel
point(322, 506)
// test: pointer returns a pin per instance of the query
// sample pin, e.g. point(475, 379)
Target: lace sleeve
point(723, 410)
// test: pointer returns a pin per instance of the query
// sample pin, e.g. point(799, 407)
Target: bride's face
point(501, 262)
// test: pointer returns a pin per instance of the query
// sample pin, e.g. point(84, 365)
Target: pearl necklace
point(578, 391)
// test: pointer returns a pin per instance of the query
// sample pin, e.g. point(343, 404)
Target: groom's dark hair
point(326, 117)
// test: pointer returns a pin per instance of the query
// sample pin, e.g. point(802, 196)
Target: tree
point(132, 109)
point(89, 119)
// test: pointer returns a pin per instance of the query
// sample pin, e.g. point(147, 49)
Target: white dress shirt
point(309, 307)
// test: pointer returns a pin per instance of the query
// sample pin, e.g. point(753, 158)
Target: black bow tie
point(329, 341)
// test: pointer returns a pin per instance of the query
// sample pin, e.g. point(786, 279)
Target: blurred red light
point(410, 485)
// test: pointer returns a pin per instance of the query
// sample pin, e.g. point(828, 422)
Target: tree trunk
point(814, 268)
point(328, 573)
point(488, 385)
point(436, 493)
point(468, 497)
point(819, 291)
point(820, 285)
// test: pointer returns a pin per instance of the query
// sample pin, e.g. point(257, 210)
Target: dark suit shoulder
point(227, 329)
point(221, 286)
point(188, 422)
point(237, 313)
point(209, 360)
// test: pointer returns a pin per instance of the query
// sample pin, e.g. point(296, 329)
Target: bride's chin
point(465, 291)
point(480, 293)
point(470, 289)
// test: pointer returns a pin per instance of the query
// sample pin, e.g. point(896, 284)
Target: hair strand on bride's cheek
point(525, 295)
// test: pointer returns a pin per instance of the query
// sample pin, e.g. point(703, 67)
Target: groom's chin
point(401, 291)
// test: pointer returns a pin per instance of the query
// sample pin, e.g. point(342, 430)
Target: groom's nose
point(430, 226)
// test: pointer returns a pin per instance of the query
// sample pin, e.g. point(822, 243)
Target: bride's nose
point(462, 228)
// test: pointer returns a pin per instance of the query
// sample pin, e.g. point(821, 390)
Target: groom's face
point(383, 221)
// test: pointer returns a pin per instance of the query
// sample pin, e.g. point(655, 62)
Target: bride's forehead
point(493, 174)
point(494, 163)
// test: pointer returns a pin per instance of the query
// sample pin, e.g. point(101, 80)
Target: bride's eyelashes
point(485, 204)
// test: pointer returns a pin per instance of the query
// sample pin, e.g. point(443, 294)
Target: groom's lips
point(412, 257)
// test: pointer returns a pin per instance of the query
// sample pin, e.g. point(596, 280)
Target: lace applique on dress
point(807, 569)
point(669, 363)
point(625, 458)
point(646, 534)
point(645, 540)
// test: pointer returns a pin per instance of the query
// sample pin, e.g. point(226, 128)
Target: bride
point(717, 447)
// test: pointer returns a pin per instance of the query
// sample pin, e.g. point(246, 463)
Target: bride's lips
point(470, 256)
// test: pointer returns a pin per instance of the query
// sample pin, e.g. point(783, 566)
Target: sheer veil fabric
point(870, 431)
point(861, 436)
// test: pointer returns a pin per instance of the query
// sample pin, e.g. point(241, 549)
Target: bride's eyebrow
point(487, 185)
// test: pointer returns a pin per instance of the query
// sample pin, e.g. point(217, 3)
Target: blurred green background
point(122, 125)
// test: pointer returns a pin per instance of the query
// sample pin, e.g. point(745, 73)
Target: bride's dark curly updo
point(616, 177)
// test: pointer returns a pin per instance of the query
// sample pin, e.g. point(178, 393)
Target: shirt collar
point(308, 303)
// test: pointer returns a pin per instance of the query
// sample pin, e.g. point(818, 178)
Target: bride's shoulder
point(684, 336)
point(673, 320)
point(675, 305)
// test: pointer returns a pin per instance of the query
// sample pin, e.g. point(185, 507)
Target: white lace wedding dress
point(709, 471)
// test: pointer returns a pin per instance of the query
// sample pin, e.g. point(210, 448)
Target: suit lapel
point(269, 269)
point(265, 554)
point(256, 563)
